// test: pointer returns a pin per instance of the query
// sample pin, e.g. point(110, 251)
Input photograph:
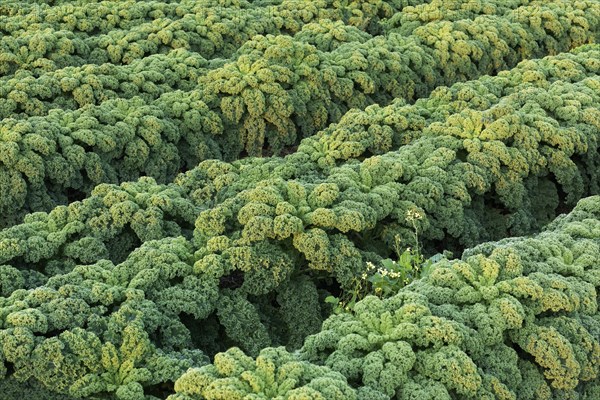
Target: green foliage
point(196, 82)
point(514, 319)
point(481, 327)
point(393, 275)
point(275, 374)
point(231, 254)
point(140, 238)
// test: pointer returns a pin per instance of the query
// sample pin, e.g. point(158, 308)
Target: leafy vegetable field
point(298, 200)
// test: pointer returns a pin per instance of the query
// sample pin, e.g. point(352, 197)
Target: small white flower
point(413, 215)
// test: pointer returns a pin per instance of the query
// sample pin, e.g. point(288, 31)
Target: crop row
point(242, 253)
point(277, 91)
